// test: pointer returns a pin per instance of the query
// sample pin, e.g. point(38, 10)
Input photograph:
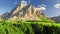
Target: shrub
point(22, 27)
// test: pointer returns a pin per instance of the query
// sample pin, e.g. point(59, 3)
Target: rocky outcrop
point(6, 16)
point(23, 12)
point(28, 12)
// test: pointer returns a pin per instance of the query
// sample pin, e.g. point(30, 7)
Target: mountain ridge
point(25, 12)
point(56, 19)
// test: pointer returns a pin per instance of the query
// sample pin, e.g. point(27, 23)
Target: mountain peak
point(24, 11)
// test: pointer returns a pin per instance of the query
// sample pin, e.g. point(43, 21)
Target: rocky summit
point(23, 11)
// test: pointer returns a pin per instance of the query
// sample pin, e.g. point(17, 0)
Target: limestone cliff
point(23, 11)
point(28, 12)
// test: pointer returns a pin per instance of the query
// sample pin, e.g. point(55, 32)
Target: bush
point(22, 27)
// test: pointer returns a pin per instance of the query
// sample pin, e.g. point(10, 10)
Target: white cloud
point(57, 6)
point(24, 3)
point(41, 7)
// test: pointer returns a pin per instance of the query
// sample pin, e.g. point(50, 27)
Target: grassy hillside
point(26, 27)
point(45, 19)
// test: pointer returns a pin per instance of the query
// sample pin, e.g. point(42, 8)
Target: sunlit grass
point(32, 27)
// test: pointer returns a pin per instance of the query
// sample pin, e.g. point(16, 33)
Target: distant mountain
point(56, 19)
point(0, 16)
point(6, 16)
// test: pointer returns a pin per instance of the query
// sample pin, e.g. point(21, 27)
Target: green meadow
point(28, 27)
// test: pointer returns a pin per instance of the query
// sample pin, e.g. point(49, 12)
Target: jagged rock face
point(6, 16)
point(21, 12)
point(28, 12)
point(56, 19)
point(44, 15)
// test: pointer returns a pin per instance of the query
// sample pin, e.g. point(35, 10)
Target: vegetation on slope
point(23, 27)
point(45, 19)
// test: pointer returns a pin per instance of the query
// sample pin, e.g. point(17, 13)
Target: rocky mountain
point(56, 19)
point(6, 16)
point(28, 12)
point(0, 16)
point(25, 11)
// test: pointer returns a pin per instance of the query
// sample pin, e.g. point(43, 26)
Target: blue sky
point(8, 5)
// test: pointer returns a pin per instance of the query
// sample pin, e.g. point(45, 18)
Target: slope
point(22, 27)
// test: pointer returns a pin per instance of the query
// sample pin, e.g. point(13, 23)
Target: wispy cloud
point(57, 6)
point(42, 7)
point(24, 3)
